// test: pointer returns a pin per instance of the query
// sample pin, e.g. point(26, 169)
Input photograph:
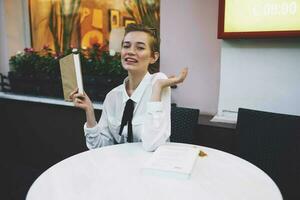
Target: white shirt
point(151, 123)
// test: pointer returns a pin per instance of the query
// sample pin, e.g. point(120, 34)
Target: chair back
point(271, 141)
point(183, 124)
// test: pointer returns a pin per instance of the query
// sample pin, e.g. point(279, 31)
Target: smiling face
point(136, 53)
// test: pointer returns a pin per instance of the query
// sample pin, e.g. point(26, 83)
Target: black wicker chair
point(272, 142)
point(183, 124)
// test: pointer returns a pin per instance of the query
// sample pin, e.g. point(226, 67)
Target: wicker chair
point(272, 142)
point(183, 124)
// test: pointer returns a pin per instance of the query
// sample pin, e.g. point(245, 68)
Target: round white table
point(116, 172)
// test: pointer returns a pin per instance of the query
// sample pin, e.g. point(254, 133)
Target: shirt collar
point(137, 94)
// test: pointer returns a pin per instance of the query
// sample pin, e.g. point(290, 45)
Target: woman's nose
point(131, 50)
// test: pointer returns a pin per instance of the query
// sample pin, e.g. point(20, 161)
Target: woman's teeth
point(130, 60)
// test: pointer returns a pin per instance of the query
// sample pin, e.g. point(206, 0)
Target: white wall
point(3, 41)
point(262, 74)
point(189, 38)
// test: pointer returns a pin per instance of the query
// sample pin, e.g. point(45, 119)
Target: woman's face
point(136, 52)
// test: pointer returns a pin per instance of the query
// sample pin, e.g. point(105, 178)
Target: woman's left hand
point(160, 84)
point(172, 80)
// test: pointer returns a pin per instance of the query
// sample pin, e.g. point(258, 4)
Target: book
point(174, 159)
point(71, 76)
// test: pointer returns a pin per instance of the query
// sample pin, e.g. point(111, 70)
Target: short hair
point(152, 32)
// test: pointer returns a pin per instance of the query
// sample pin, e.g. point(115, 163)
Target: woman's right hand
point(81, 101)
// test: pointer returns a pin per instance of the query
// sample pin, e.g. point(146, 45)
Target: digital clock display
point(261, 15)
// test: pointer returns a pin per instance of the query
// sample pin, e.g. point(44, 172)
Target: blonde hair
point(154, 40)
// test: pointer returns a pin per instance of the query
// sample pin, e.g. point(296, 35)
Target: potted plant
point(38, 73)
point(35, 72)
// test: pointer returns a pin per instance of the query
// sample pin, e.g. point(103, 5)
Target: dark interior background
point(35, 136)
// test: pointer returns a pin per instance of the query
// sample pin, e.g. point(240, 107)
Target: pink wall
point(189, 38)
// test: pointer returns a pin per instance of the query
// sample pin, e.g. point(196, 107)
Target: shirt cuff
point(155, 106)
point(90, 131)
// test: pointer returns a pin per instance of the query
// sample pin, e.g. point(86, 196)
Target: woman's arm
point(157, 127)
point(160, 84)
point(97, 135)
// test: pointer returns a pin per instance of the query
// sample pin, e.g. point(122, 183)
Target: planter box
point(37, 86)
point(96, 86)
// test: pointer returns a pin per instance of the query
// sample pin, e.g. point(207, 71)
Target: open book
point(174, 158)
point(71, 74)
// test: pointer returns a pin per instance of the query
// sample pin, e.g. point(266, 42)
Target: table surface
point(116, 172)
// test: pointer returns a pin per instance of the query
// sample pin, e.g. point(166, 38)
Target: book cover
point(71, 76)
point(177, 159)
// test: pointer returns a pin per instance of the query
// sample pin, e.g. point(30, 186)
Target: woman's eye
point(126, 46)
point(140, 48)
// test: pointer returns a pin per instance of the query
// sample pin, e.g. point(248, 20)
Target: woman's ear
point(155, 57)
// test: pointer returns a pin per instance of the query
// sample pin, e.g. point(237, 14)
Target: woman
point(146, 95)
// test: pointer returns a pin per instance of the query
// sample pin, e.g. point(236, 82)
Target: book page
point(78, 73)
point(173, 158)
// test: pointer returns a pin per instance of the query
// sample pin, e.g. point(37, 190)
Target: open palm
point(173, 80)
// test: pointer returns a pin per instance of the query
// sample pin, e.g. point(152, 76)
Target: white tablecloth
point(116, 172)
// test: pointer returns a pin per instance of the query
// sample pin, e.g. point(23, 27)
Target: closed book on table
point(173, 159)
point(71, 76)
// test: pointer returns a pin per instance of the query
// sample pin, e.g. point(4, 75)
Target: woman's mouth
point(130, 60)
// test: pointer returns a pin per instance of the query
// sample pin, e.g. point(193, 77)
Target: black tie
point(127, 118)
